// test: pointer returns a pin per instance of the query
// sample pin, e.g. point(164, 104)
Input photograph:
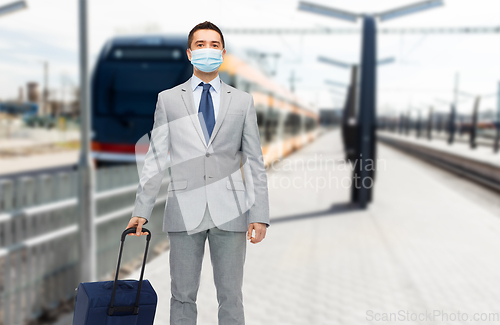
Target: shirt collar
point(215, 82)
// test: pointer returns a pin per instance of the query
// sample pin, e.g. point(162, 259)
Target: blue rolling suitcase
point(123, 302)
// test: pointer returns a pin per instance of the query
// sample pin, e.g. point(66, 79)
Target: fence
point(39, 237)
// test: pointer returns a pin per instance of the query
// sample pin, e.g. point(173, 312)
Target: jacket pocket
point(177, 185)
point(235, 112)
point(238, 185)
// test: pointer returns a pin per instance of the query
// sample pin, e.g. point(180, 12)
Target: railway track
point(484, 173)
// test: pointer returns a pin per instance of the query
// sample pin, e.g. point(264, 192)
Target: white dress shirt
point(214, 92)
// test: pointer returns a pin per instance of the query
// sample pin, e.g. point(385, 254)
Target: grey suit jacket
point(226, 170)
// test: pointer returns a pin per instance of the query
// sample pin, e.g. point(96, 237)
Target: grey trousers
point(227, 254)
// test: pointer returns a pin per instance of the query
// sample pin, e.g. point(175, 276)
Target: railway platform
point(425, 251)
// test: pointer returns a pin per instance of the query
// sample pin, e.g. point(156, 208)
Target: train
point(130, 72)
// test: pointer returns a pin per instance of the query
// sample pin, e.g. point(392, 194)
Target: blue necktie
point(207, 108)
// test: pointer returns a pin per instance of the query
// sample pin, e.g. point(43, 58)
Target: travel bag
point(118, 302)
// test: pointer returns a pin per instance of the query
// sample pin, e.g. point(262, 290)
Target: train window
point(292, 124)
point(288, 125)
point(271, 125)
point(260, 117)
point(145, 53)
point(260, 122)
point(296, 123)
point(309, 124)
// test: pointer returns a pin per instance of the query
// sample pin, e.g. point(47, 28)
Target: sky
point(424, 70)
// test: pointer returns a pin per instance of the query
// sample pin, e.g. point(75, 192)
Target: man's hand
point(137, 222)
point(260, 232)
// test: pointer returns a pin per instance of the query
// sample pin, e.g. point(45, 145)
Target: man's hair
point(205, 25)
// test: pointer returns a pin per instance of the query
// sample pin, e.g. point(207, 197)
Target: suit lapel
point(187, 98)
point(225, 99)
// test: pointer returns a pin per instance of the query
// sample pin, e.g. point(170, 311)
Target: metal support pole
point(401, 123)
point(453, 113)
point(473, 129)
point(419, 124)
point(364, 171)
point(455, 95)
point(363, 174)
point(349, 123)
point(86, 171)
point(451, 125)
point(429, 123)
point(407, 125)
point(497, 138)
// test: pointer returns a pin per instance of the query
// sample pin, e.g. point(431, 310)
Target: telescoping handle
point(135, 308)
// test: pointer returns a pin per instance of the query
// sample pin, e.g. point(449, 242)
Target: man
point(218, 188)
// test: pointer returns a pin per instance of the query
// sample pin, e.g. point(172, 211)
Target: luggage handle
point(135, 308)
point(121, 283)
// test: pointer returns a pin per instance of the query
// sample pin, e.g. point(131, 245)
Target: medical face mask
point(207, 59)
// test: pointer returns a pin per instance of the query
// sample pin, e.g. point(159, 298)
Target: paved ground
point(421, 248)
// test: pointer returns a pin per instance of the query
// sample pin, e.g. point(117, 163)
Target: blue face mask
point(207, 59)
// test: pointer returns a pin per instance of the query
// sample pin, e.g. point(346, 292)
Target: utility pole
point(45, 87)
point(87, 247)
point(292, 80)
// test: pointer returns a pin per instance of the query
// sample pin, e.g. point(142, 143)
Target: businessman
point(218, 184)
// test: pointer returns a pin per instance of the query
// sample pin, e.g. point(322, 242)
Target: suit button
point(204, 176)
point(207, 154)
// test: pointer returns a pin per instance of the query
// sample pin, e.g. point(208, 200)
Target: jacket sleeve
point(251, 147)
point(155, 164)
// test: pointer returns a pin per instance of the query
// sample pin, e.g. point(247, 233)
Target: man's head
point(205, 34)
point(202, 37)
